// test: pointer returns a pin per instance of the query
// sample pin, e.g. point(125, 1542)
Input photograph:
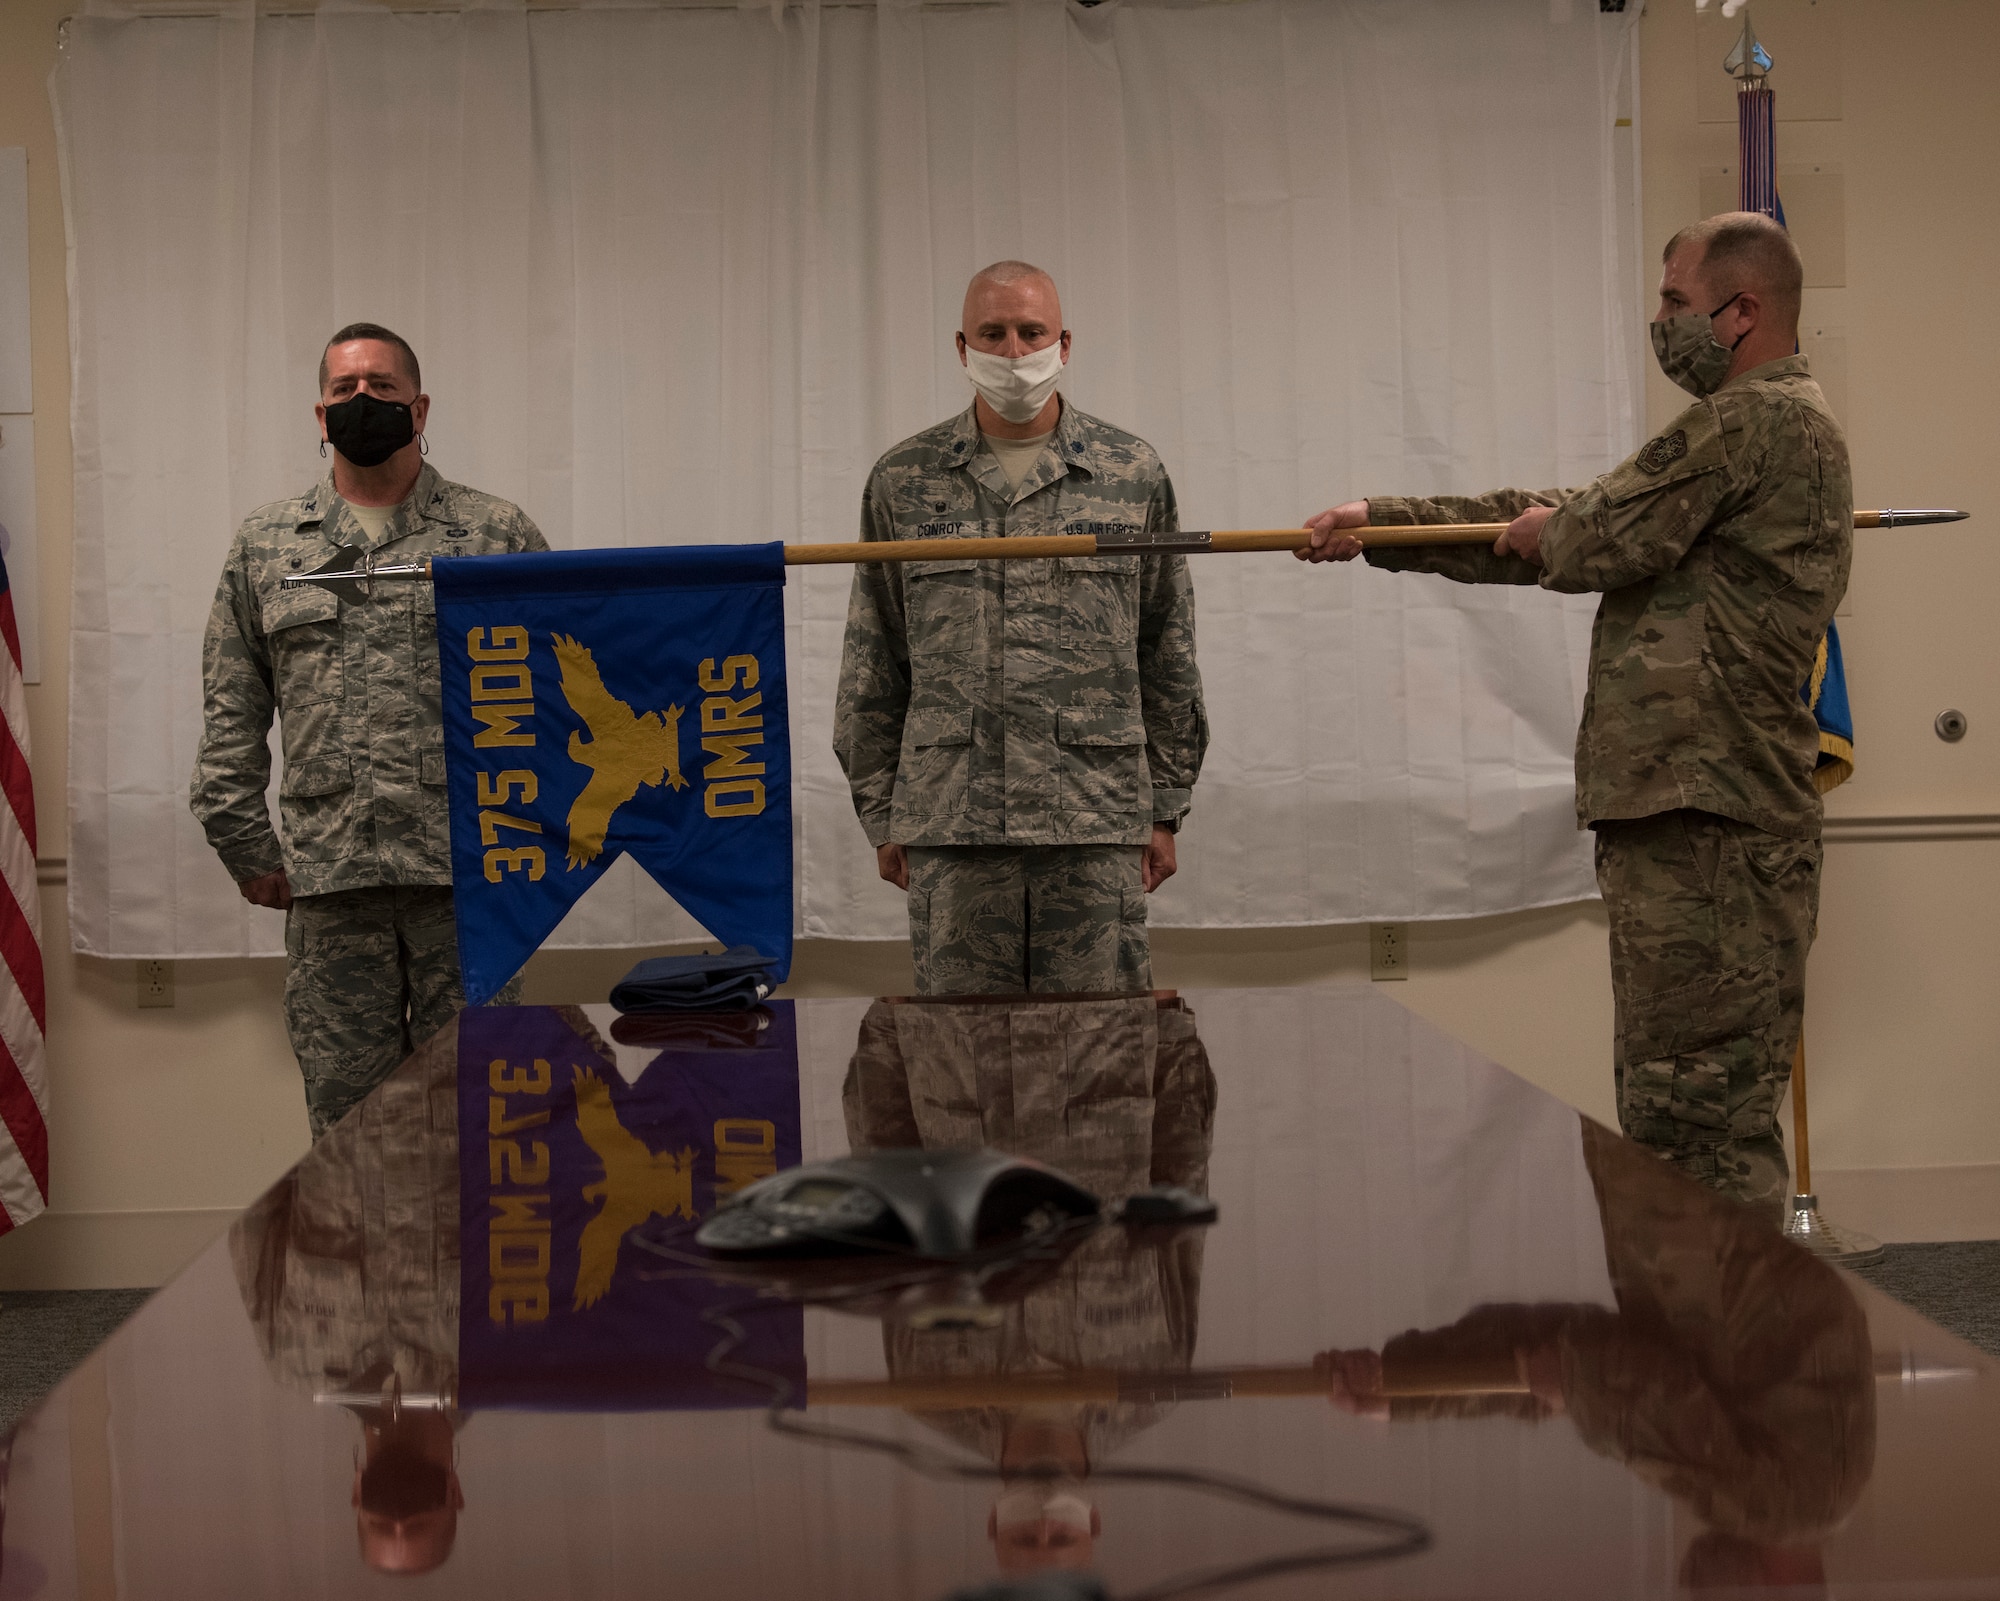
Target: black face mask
point(368, 431)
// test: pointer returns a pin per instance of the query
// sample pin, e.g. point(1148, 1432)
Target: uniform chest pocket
point(943, 603)
point(306, 648)
point(1100, 599)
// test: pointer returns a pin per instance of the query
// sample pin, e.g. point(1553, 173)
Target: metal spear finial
point(351, 574)
point(1749, 61)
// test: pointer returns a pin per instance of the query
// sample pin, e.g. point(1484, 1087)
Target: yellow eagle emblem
point(637, 1185)
point(625, 750)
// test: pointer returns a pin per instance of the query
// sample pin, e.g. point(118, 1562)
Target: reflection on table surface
point(1442, 1320)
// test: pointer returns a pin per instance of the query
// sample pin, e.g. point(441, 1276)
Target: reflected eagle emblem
point(625, 751)
point(637, 1185)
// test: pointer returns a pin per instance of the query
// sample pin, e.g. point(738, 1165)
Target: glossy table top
point(1447, 1339)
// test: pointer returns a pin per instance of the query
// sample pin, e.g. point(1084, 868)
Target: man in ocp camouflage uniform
point(363, 873)
point(1721, 548)
point(1736, 1373)
point(1021, 737)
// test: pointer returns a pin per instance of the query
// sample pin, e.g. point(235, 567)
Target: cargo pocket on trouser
point(1135, 955)
point(1696, 1082)
point(344, 997)
point(966, 919)
point(920, 937)
point(1086, 920)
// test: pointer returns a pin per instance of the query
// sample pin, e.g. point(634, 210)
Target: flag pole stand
point(1803, 1224)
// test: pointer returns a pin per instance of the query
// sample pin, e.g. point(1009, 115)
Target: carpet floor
point(45, 1333)
point(1956, 1284)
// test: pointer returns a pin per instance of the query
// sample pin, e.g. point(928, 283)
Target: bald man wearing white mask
point(1022, 738)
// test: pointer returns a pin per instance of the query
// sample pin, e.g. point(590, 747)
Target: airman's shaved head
point(1743, 250)
point(1011, 308)
point(1008, 272)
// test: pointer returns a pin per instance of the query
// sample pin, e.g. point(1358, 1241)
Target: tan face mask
point(1690, 354)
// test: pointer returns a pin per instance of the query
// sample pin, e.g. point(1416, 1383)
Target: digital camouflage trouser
point(1052, 919)
point(373, 974)
point(1711, 920)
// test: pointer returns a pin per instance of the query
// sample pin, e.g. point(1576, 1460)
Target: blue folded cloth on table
point(729, 981)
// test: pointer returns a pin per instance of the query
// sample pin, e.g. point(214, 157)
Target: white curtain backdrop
point(680, 274)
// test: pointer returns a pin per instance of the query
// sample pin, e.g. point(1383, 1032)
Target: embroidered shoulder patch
point(1662, 453)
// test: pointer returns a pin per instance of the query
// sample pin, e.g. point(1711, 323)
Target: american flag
point(24, 1094)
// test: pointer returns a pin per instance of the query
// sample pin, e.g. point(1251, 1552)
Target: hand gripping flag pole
point(354, 573)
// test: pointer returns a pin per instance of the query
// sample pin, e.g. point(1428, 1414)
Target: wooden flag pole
point(353, 573)
point(1803, 1224)
point(1495, 1373)
point(1430, 1377)
point(1033, 547)
point(1802, 1145)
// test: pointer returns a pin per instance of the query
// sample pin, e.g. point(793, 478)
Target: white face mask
point(1057, 1502)
point(1017, 387)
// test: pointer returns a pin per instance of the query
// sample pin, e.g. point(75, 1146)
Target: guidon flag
point(585, 1167)
point(599, 703)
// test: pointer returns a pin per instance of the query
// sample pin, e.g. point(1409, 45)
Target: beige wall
point(165, 1121)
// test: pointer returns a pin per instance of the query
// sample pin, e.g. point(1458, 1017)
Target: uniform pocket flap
point(930, 569)
point(319, 775)
point(1099, 725)
point(1101, 564)
point(430, 768)
point(940, 725)
point(1681, 1022)
point(292, 608)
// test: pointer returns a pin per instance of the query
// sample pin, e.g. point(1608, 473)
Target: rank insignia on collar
point(1663, 452)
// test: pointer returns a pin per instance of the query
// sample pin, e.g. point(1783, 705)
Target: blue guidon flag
point(605, 702)
point(585, 1167)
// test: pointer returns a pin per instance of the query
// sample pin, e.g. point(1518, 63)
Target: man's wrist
point(1556, 539)
point(250, 863)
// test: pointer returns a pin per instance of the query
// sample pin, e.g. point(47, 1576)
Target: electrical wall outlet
point(1388, 950)
point(156, 984)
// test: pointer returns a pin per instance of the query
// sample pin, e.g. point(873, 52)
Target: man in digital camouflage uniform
point(1021, 737)
point(348, 1268)
point(1118, 1094)
point(363, 872)
point(1721, 549)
